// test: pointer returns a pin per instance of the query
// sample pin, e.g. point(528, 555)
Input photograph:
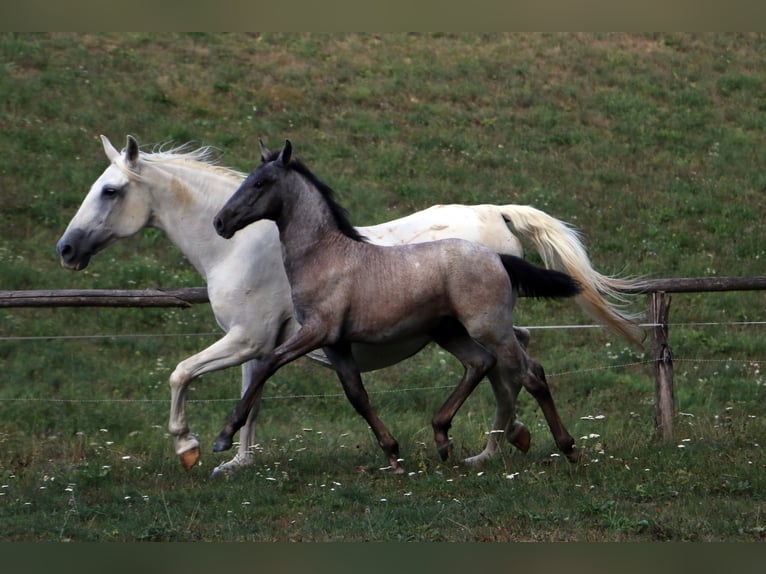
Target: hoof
point(445, 450)
point(221, 471)
point(522, 440)
point(478, 459)
point(574, 455)
point(233, 466)
point(223, 442)
point(189, 458)
point(395, 465)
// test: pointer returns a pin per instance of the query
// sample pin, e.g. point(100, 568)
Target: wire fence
point(218, 333)
point(552, 375)
point(656, 289)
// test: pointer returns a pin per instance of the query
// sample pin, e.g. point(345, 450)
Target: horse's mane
point(339, 213)
point(206, 156)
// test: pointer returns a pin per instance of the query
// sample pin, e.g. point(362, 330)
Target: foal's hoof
point(522, 440)
point(189, 458)
point(574, 455)
point(395, 465)
point(445, 450)
point(223, 442)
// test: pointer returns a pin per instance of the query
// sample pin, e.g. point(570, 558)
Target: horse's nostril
point(66, 251)
point(218, 224)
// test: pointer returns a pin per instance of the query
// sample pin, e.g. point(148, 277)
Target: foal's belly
point(370, 357)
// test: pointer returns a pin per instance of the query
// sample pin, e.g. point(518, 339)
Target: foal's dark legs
point(476, 360)
point(506, 385)
point(515, 369)
point(239, 415)
point(302, 342)
point(343, 362)
point(537, 385)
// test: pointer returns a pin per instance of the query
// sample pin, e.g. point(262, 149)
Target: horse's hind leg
point(343, 362)
point(476, 360)
point(537, 385)
point(505, 387)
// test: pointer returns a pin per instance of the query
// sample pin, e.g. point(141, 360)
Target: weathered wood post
point(663, 366)
point(183, 297)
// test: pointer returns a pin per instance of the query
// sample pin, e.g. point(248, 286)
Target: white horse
point(179, 192)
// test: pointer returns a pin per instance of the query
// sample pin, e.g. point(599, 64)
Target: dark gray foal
point(346, 291)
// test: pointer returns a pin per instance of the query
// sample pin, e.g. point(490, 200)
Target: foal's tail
point(560, 248)
point(533, 281)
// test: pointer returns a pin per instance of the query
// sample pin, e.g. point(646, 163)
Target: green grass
point(652, 145)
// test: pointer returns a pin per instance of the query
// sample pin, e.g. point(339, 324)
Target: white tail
point(560, 247)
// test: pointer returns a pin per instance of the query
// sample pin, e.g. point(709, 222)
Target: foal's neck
point(302, 225)
point(306, 225)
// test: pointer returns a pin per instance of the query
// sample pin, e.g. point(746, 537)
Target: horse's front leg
point(228, 351)
point(304, 341)
point(245, 455)
point(351, 379)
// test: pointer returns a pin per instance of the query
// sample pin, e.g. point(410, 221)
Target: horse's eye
point(109, 191)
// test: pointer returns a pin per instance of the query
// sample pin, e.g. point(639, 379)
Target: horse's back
point(482, 224)
point(438, 278)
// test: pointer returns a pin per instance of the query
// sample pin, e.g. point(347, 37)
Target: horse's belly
point(384, 344)
point(398, 319)
point(371, 357)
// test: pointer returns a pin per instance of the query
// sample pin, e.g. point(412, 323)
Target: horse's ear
point(131, 152)
point(111, 153)
point(265, 153)
point(287, 151)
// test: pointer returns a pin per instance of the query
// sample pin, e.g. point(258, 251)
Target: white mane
point(205, 156)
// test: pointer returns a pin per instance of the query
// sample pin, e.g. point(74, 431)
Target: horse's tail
point(533, 281)
point(560, 247)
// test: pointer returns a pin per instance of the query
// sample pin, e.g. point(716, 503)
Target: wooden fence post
point(663, 366)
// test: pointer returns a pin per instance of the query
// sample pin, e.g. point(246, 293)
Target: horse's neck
point(305, 225)
point(185, 202)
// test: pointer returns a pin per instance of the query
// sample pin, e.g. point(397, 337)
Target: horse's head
point(258, 197)
point(115, 207)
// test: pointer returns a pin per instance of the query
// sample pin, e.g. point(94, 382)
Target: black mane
point(339, 213)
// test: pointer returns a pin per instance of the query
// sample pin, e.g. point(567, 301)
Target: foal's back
point(374, 293)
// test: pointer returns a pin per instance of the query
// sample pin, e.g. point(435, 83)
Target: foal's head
point(264, 192)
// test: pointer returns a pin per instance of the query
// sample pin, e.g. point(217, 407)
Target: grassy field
point(651, 145)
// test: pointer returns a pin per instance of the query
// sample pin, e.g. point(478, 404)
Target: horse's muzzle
point(72, 254)
point(220, 228)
